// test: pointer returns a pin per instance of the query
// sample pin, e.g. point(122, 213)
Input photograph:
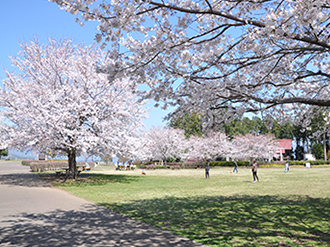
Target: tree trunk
point(307, 144)
point(72, 164)
point(324, 147)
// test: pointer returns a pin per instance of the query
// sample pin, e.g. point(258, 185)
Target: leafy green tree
point(318, 151)
point(318, 127)
point(190, 123)
point(299, 151)
point(310, 138)
point(245, 126)
point(3, 152)
point(285, 131)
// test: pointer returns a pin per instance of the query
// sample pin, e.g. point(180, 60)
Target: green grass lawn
point(283, 209)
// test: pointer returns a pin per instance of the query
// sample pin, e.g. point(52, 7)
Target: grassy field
point(283, 209)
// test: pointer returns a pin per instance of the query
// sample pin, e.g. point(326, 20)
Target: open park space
point(33, 213)
point(202, 83)
point(283, 209)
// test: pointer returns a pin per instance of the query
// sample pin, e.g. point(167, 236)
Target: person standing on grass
point(207, 172)
point(287, 167)
point(235, 168)
point(254, 171)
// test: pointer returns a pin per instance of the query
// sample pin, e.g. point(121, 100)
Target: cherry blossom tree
point(250, 146)
point(219, 58)
point(162, 143)
point(55, 101)
point(208, 147)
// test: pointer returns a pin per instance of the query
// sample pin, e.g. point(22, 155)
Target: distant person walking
point(254, 171)
point(207, 172)
point(287, 167)
point(235, 168)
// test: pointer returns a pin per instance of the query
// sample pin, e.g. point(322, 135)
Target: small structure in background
point(309, 157)
point(42, 157)
point(284, 151)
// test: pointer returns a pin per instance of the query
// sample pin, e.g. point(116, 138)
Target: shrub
point(27, 162)
point(271, 165)
point(41, 165)
point(229, 163)
point(312, 162)
point(192, 165)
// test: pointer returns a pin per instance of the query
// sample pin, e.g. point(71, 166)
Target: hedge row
point(230, 163)
point(312, 162)
point(169, 164)
point(240, 164)
point(194, 165)
point(41, 165)
point(143, 166)
point(271, 164)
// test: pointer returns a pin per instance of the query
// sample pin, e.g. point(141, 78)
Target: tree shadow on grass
point(46, 179)
point(86, 179)
point(238, 220)
point(91, 226)
point(23, 179)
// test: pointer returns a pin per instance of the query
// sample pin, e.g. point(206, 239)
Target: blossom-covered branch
point(220, 58)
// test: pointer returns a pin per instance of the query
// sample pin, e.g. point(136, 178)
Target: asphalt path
point(33, 213)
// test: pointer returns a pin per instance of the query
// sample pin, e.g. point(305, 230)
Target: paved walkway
point(32, 213)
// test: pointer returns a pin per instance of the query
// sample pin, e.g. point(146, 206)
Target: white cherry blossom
point(161, 143)
point(55, 101)
point(213, 57)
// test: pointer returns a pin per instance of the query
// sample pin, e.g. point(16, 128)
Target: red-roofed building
point(285, 149)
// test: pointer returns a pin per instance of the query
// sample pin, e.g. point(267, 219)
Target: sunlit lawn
point(284, 209)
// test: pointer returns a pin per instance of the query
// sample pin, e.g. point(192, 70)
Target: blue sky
point(23, 20)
